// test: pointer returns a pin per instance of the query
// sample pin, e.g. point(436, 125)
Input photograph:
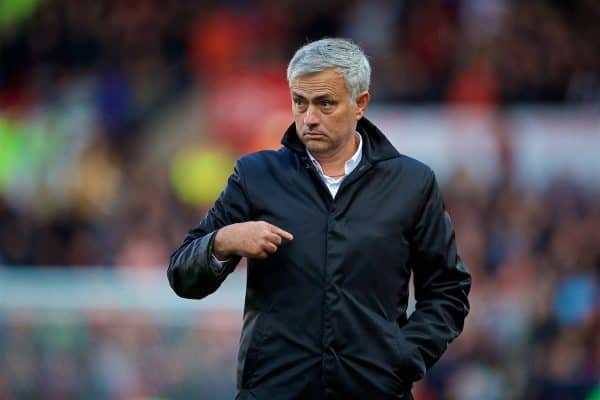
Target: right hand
point(254, 239)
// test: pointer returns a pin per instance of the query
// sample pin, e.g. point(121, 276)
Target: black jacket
point(325, 316)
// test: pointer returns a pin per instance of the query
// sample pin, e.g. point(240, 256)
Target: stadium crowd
point(532, 332)
point(81, 80)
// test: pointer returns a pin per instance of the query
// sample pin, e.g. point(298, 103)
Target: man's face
point(324, 113)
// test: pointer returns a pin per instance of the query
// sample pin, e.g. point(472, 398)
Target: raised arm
point(225, 234)
point(191, 272)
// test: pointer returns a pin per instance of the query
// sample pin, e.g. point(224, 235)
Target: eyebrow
point(318, 98)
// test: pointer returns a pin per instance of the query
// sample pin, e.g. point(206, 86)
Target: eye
point(327, 105)
point(299, 103)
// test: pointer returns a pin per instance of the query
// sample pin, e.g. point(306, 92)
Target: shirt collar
point(350, 164)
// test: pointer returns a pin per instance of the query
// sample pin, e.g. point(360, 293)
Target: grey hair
point(341, 54)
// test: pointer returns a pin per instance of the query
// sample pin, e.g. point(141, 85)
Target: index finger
point(284, 235)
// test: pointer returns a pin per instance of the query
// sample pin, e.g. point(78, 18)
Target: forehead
point(328, 82)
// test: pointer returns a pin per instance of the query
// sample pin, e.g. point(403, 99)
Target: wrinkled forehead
point(314, 84)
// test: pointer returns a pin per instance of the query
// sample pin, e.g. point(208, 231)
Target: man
point(332, 224)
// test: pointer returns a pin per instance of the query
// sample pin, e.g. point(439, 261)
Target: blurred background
point(120, 121)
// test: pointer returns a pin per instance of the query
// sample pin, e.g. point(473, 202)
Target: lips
point(313, 135)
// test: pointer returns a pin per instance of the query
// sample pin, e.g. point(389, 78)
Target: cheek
point(343, 122)
point(298, 119)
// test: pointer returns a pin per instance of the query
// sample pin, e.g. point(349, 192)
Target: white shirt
point(333, 184)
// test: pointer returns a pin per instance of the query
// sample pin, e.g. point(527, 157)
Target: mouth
point(313, 135)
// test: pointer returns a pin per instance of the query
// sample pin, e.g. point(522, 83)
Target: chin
point(315, 146)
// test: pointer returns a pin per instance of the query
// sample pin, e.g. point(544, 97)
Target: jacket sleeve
point(191, 272)
point(441, 281)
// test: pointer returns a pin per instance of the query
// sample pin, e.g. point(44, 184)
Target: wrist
point(221, 249)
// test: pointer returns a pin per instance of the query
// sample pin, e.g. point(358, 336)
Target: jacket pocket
point(253, 336)
point(409, 364)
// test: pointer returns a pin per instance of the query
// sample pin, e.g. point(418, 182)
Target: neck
point(334, 164)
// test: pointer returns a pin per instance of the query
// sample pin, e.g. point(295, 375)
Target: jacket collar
point(376, 147)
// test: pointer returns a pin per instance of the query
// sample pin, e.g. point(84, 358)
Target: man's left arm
point(441, 281)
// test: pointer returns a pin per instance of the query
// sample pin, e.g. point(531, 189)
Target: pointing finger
point(285, 235)
point(278, 231)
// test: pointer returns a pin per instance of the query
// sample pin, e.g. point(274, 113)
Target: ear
point(362, 101)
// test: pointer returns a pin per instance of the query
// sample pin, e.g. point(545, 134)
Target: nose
point(311, 116)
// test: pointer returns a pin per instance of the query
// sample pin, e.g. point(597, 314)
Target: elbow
point(188, 287)
point(174, 282)
point(177, 281)
point(189, 274)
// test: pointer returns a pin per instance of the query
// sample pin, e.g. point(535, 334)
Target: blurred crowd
point(532, 332)
point(81, 80)
point(483, 52)
point(535, 260)
point(116, 355)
